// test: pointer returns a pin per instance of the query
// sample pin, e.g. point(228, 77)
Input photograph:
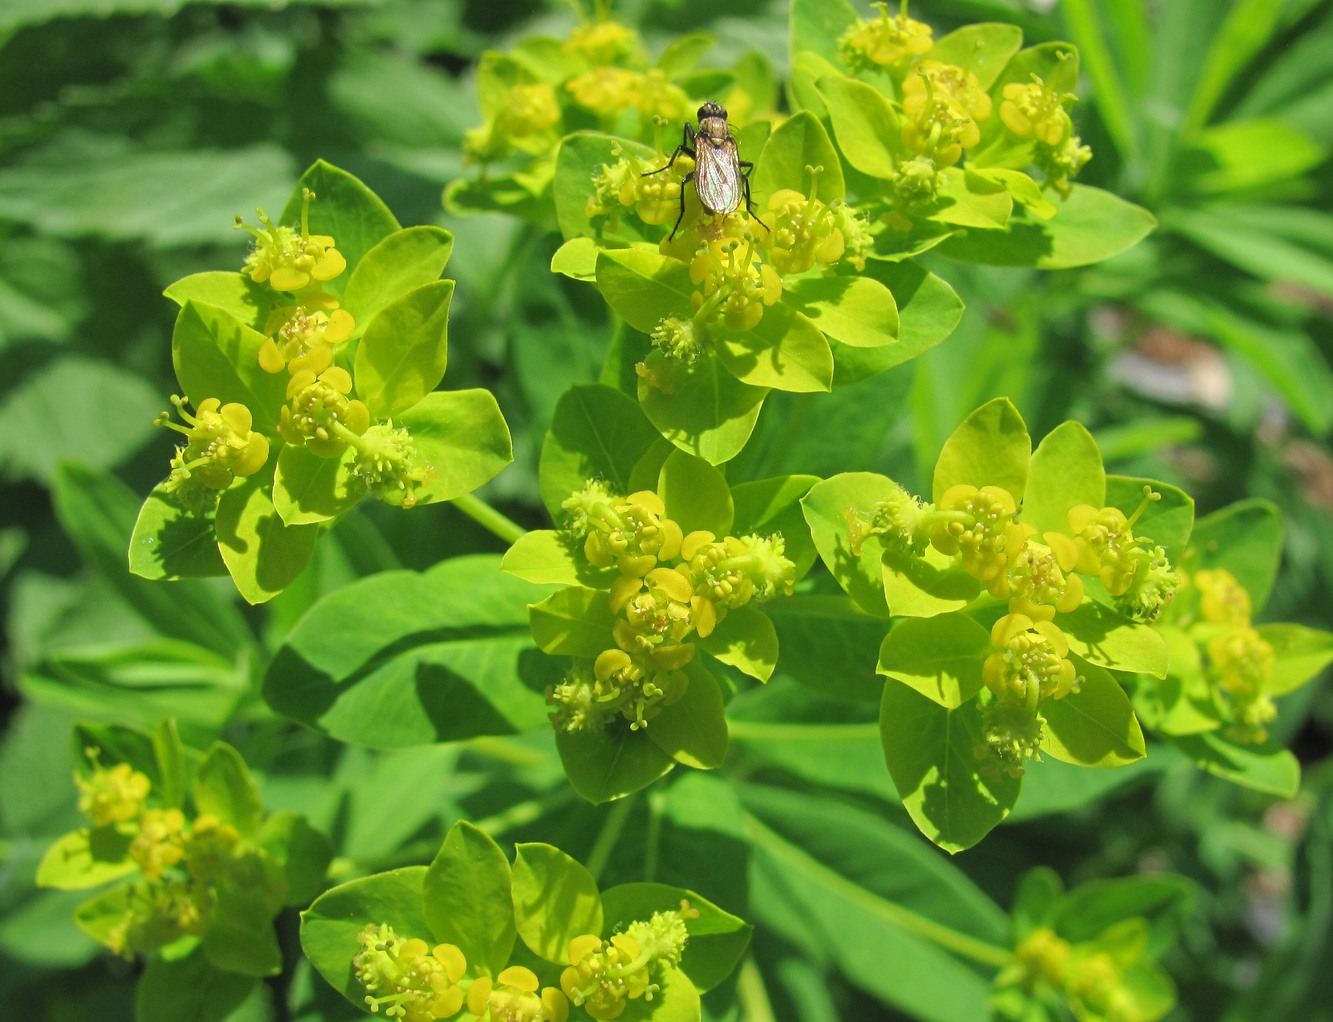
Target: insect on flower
point(721, 178)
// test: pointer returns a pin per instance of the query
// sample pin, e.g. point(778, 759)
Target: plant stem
point(608, 836)
point(905, 919)
point(750, 991)
point(489, 518)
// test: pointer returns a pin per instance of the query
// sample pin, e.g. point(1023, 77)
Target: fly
point(721, 178)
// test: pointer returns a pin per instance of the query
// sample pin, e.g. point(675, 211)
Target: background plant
point(95, 230)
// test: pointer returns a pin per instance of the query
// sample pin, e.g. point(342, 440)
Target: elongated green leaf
point(1108, 87)
point(404, 659)
point(467, 899)
point(851, 906)
point(97, 513)
point(1247, 29)
point(1265, 767)
point(555, 900)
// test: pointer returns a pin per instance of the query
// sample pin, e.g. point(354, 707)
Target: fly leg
point(745, 167)
point(687, 147)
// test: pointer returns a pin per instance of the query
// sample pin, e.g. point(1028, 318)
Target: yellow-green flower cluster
point(605, 975)
point(670, 588)
point(981, 527)
point(1034, 110)
point(807, 233)
point(888, 43)
point(1238, 658)
point(408, 979)
point(943, 107)
point(221, 445)
point(516, 995)
point(181, 861)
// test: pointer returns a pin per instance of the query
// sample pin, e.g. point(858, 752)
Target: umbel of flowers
point(440, 941)
point(212, 869)
point(669, 588)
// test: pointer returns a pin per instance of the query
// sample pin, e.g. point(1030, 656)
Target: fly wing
point(717, 176)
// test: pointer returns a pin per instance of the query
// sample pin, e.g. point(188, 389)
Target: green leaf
point(1087, 912)
point(991, 447)
point(579, 162)
point(859, 312)
point(301, 852)
point(88, 858)
point(223, 786)
point(573, 622)
point(1299, 654)
point(798, 142)
point(402, 354)
point(462, 437)
point(1184, 702)
point(401, 262)
point(344, 208)
point(1094, 726)
point(817, 25)
point(234, 293)
point(693, 730)
point(240, 935)
point(1248, 27)
point(930, 752)
point(216, 355)
point(717, 938)
point(97, 512)
point(860, 575)
point(263, 555)
point(170, 543)
point(928, 311)
point(764, 507)
point(555, 900)
point(643, 286)
point(746, 640)
point(548, 557)
point(969, 199)
point(468, 897)
point(926, 585)
point(576, 259)
point(169, 752)
point(597, 433)
point(1168, 521)
point(695, 494)
point(864, 899)
point(1245, 539)
point(1090, 227)
point(1113, 102)
point(940, 657)
point(702, 409)
point(828, 644)
point(1265, 767)
point(785, 351)
point(1066, 470)
point(984, 49)
point(403, 659)
point(867, 126)
point(1223, 160)
point(611, 763)
point(308, 489)
point(1102, 637)
point(330, 927)
point(190, 987)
